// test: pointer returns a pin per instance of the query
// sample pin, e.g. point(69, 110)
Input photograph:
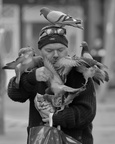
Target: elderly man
point(75, 120)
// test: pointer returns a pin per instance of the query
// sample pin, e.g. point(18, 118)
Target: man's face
point(54, 51)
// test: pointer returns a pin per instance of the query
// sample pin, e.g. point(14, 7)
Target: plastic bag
point(49, 135)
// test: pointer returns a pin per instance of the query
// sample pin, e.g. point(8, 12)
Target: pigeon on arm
point(97, 70)
point(26, 61)
point(87, 66)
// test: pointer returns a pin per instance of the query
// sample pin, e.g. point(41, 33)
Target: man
point(75, 120)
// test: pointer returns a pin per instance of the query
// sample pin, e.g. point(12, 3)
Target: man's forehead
point(54, 46)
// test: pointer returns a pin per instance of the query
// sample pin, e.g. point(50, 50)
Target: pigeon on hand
point(42, 105)
point(59, 18)
point(85, 50)
point(26, 61)
point(56, 101)
point(60, 102)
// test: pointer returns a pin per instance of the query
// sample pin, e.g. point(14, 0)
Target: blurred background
point(20, 23)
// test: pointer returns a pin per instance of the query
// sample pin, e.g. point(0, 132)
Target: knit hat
point(52, 34)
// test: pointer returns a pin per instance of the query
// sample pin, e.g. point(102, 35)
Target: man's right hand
point(42, 74)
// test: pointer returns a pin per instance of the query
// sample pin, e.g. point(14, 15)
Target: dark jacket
point(75, 120)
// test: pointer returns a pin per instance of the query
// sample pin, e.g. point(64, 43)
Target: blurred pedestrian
point(75, 120)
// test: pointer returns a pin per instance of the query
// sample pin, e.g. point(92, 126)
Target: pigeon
point(100, 75)
point(59, 18)
point(42, 103)
point(55, 82)
point(85, 50)
point(87, 66)
point(69, 98)
point(65, 64)
point(55, 103)
point(96, 70)
point(60, 102)
point(26, 61)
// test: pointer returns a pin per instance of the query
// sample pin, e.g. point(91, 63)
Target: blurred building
point(27, 22)
point(23, 22)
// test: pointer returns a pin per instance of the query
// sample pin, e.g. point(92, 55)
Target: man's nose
point(55, 53)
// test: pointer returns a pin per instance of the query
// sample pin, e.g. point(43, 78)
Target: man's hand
point(48, 119)
point(42, 74)
point(46, 115)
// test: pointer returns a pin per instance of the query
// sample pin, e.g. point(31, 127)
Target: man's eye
point(60, 50)
point(49, 50)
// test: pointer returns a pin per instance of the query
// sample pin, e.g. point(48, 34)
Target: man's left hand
point(48, 119)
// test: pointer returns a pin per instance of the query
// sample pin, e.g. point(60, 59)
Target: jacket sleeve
point(28, 81)
point(26, 87)
point(80, 112)
point(15, 94)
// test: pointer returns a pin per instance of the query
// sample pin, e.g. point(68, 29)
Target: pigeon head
point(26, 50)
point(85, 50)
point(84, 44)
point(44, 11)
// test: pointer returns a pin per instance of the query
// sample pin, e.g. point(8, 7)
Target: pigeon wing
point(101, 75)
point(55, 16)
point(68, 62)
point(72, 90)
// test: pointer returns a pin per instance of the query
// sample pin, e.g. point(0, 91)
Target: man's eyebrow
point(49, 49)
point(62, 48)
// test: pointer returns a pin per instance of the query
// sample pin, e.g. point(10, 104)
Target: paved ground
point(104, 125)
point(16, 116)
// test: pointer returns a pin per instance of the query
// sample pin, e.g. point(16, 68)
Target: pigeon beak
point(78, 21)
point(40, 13)
point(80, 27)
